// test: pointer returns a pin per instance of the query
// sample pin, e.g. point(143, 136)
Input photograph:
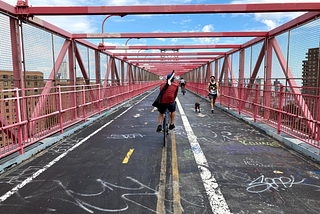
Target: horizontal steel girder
point(168, 54)
point(178, 62)
point(169, 35)
point(173, 9)
point(148, 47)
point(171, 58)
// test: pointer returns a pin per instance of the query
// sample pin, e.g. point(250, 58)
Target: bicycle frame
point(165, 126)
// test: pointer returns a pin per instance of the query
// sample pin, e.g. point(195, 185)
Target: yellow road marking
point(146, 123)
point(175, 176)
point(277, 172)
point(126, 159)
point(152, 110)
point(162, 182)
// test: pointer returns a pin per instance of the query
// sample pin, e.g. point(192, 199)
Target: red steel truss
point(148, 47)
point(168, 35)
point(171, 9)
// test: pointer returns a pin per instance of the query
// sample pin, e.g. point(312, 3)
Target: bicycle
point(165, 126)
point(183, 89)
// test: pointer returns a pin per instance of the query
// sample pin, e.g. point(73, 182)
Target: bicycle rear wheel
point(165, 130)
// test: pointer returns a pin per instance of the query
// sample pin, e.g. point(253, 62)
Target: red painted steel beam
point(7, 8)
point(169, 35)
point(175, 9)
point(168, 54)
point(171, 58)
point(181, 62)
point(46, 25)
point(148, 47)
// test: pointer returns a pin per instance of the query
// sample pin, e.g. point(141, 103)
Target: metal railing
point(26, 119)
point(280, 107)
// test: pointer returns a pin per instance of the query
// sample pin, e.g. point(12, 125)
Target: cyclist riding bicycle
point(182, 83)
point(168, 101)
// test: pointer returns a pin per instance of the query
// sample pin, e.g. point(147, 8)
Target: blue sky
point(166, 23)
point(189, 23)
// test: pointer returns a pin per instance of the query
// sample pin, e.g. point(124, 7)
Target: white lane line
point(217, 201)
point(37, 173)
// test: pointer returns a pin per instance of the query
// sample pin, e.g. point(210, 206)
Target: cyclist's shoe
point(171, 127)
point(159, 129)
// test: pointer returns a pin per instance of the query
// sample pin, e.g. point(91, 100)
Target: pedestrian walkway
point(214, 163)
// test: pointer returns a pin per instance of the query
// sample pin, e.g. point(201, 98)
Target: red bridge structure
point(85, 79)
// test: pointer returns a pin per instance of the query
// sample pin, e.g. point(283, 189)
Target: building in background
point(63, 72)
point(310, 72)
point(33, 80)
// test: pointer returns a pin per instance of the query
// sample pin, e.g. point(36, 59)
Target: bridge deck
point(207, 154)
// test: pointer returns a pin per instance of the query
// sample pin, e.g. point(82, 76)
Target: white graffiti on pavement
point(262, 183)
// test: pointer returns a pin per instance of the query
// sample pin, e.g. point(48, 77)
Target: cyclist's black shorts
point(171, 107)
point(182, 84)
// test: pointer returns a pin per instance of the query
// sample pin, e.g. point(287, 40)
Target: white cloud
point(272, 20)
point(209, 41)
point(208, 28)
point(174, 40)
point(72, 24)
point(143, 2)
point(161, 39)
point(270, 23)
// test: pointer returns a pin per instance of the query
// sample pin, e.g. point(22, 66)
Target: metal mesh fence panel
point(247, 64)
point(220, 64)
point(62, 73)
point(103, 66)
point(118, 64)
point(5, 44)
point(84, 57)
point(255, 54)
point(278, 75)
point(38, 51)
point(304, 54)
point(235, 65)
point(92, 66)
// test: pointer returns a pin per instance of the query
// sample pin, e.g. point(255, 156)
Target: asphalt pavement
point(213, 163)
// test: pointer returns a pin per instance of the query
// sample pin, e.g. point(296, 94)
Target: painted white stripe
point(37, 173)
point(217, 201)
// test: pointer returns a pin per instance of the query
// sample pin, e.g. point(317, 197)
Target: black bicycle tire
point(165, 130)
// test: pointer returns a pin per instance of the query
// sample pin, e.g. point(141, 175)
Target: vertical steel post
point(72, 77)
point(83, 103)
point(97, 66)
point(60, 109)
point(99, 98)
point(229, 94)
point(216, 67)
point(241, 66)
point(255, 103)
point(240, 97)
point(18, 115)
point(18, 65)
point(280, 108)
point(268, 70)
point(317, 136)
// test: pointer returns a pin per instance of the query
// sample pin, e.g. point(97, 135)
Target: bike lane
point(254, 172)
point(92, 176)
